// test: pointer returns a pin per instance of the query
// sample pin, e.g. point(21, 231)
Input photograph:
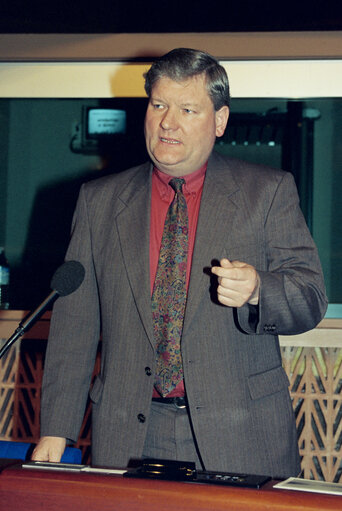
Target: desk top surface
point(34, 489)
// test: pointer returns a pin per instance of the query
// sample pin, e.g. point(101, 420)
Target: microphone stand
point(28, 321)
point(66, 279)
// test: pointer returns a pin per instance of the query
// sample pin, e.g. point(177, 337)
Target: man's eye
point(157, 106)
point(188, 111)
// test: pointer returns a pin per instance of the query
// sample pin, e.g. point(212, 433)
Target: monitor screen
point(105, 121)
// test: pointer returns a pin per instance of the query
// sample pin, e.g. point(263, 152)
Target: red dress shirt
point(162, 196)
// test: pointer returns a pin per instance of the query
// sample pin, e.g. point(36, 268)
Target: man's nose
point(169, 120)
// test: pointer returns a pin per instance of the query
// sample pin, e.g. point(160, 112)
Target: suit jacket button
point(148, 371)
point(141, 417)
point(269, 328)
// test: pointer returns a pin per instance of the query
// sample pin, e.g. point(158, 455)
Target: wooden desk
point(33, 490)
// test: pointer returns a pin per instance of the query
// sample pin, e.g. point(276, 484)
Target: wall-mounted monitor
point(101, 123)
point(104, 121)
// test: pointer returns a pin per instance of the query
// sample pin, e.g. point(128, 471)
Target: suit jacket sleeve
point(292, 294)
point(73, 339)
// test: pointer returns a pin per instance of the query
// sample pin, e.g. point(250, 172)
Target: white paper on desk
point(296, 483)
point(110, 471)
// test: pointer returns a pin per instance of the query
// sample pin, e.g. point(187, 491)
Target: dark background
point(104, 16)
point(47, 238)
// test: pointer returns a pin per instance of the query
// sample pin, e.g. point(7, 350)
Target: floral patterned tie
point(169, 293)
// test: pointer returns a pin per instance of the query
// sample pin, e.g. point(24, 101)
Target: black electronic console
point(186, 471)
point(226, 478)
point(154, 468)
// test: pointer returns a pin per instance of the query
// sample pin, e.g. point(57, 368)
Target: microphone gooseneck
point(66, 279)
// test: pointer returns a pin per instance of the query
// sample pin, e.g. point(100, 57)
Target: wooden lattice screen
point(315, 384)
point(21, 373)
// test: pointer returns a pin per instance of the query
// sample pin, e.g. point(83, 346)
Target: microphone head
point(67, 278)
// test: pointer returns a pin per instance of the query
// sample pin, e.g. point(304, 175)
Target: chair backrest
point(23, 450)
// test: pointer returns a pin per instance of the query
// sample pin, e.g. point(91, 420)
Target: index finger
point(228, 273)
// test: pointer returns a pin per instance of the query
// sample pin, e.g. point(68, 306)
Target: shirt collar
point(193, 181)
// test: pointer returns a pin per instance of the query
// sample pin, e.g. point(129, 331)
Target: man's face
point(181, 125)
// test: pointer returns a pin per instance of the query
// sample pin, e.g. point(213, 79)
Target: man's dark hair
point(182, 63)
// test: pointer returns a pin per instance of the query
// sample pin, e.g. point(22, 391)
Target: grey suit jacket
point(237, 390)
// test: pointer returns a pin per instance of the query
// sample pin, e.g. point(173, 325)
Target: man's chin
point(173, 170)
point(171, 167)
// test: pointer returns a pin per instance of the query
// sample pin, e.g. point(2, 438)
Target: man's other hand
point(49, 448)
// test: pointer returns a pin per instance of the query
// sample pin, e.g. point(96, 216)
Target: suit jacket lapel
point(219, 204)
point(133, 225)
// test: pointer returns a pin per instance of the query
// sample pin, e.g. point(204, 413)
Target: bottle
point(4, 280)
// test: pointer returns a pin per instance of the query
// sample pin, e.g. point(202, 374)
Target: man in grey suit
point(252, 273)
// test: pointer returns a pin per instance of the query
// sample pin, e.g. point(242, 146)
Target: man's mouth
point(169, 140)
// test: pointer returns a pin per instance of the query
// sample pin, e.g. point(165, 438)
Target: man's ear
point(221, 117)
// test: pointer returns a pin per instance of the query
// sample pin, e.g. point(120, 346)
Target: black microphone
point(65, 281)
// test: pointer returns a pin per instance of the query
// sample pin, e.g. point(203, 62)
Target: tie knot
point(177, 183)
